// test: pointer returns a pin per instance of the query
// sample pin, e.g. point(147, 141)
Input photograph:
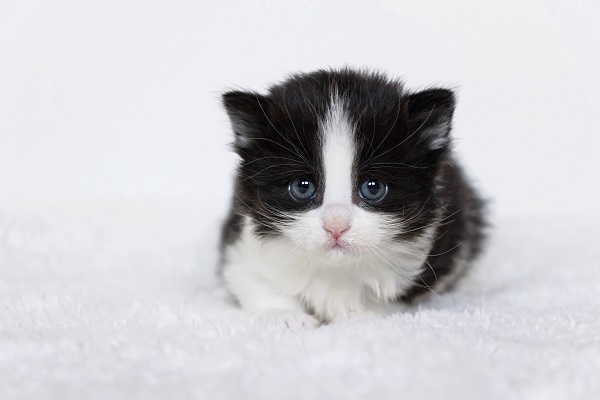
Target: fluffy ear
point(246, 111)
point(430, 116)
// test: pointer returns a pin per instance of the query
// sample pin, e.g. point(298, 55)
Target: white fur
point(339, 152)
point(301, 271)
point(283, 275)
point(437, 135)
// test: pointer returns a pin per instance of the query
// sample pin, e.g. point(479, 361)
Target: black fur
point(403, 138)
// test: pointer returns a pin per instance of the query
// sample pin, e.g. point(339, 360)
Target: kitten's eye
point(302, 189)
point(373, 190)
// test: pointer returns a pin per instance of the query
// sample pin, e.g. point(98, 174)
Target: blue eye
point(302, 189)
point(373, 190)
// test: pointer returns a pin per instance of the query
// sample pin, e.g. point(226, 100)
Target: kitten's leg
point(259, 298)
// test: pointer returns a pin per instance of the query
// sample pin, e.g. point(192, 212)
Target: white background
point(119, 100)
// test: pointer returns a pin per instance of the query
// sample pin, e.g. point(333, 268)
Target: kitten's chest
point(330, 289)
point(348, 287)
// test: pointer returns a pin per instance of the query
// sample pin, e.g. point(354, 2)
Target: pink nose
point(336, 232)
point(337, 220)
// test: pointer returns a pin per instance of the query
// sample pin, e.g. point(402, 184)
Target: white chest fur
point(275, 275)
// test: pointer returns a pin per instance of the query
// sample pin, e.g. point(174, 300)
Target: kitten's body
point(390, 216)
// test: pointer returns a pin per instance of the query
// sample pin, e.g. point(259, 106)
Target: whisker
point(245, 164)
point(286, 172)
point(389, 264)
point(275, 221)
point(396, 165)
point(408, 137)
point(297, 152)
point(285, 147)
point(437, 222)
point(402, 251)
point(294, 126)
point(391, 129)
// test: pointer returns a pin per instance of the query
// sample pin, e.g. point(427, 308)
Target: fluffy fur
point(337, 254)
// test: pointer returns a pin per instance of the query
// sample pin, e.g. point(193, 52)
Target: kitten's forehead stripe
point(339, 151)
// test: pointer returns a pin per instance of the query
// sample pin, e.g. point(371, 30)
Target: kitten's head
point(339, 162)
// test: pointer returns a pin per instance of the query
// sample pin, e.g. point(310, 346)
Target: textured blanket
point(122, 302)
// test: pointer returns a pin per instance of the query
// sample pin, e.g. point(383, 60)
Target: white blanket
point(122, 302)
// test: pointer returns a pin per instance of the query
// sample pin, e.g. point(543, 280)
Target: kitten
point(347, 197)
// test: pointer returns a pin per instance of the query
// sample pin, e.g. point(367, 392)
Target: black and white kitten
point(347, 197)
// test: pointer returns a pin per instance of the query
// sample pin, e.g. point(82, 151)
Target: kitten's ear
point(430, 116)
point(246, 111)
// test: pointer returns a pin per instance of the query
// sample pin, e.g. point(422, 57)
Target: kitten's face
point(339, 164)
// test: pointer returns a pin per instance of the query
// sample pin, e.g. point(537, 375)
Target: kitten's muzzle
point(337, 220)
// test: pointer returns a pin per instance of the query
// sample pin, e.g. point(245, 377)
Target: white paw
point(287, 319)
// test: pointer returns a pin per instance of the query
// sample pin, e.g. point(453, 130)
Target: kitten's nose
point(337, 219)
point(337, 231)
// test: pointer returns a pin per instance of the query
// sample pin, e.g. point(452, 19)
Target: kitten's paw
point(287, 319)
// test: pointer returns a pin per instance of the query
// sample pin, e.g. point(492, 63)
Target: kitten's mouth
point(337, 249)
point(336, 244)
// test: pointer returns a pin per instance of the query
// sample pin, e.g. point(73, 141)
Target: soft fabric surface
point(121, 302)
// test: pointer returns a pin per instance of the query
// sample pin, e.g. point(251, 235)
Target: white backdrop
point(120, 99)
